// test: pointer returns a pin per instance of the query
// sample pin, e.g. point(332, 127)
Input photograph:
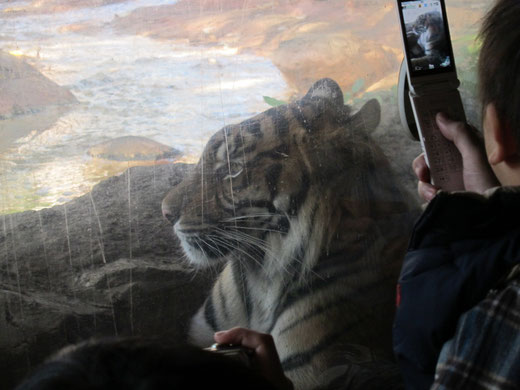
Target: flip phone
point(433, 85)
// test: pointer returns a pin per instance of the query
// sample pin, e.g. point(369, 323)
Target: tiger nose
point(169, 213)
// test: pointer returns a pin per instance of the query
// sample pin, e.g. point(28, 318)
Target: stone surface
point(29, 101)
point(23, 89)
point(103, 264)
point(133, 148)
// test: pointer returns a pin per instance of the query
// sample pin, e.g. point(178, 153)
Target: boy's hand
point(265, 360)
point(477, 173)
point(425, 189)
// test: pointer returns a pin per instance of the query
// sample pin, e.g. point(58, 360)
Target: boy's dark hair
point(135, 364)
point(499, 62)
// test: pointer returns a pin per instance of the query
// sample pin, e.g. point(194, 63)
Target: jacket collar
point(455, 216)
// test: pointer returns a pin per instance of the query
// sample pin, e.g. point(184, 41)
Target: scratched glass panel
point(107, 105)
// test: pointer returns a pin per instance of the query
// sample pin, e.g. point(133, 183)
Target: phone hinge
point(435, 86)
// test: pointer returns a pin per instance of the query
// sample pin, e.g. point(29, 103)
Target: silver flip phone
point(433, 83)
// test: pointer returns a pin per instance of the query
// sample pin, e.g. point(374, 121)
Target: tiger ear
point(368, 117)
point(328, 89)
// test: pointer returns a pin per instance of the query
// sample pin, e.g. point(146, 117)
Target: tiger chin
point(299, 207)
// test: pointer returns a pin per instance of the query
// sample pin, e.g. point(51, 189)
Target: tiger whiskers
point(213, 270)
point(224, 243)
point(211, 246)
point(259, 229)
point(185, 260)
point(259, 244)
point(251, 216)
point(202, 250)
point(258, 241)
point(254, 244)
point(287, 248)
point(189, 266)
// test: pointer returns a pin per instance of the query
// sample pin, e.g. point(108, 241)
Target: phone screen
point(426, 37)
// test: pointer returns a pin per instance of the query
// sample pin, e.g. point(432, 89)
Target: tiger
point(299, 210)
point(427, 40)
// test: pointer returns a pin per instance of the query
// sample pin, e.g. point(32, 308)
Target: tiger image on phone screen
point(427, 40)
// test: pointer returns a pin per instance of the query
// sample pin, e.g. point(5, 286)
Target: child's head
point(141, 364)
point(499, 64)
point(499, 76)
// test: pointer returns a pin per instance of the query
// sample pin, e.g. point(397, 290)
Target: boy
point(458, 318)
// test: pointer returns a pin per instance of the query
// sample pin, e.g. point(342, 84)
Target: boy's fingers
point(446, 126)
point(420, 168)
point(266, 355)
point(427, 191)
point(478, 175)
point(424, 188)
point(263, 344)
point(459, 133)
point(231, 336)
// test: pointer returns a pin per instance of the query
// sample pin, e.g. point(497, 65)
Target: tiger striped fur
point(300, 207)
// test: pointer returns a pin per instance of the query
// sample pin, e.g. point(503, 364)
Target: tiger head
point(279, 187)
point(426, 21)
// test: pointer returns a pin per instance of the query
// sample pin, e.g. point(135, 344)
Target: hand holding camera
point(261, 352)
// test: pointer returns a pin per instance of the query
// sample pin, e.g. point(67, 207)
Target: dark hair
point(499, 62)
point(114, 364)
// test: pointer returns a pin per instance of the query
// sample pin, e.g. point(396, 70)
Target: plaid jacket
point(463, 246)
point(485, 351)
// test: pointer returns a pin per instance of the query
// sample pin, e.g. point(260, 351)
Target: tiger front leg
point(200, 333)
point(301, 362)
point(223, 309)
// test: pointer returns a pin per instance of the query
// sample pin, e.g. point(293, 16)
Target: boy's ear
point(500, 142)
